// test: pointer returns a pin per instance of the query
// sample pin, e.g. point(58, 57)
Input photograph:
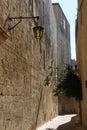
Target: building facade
point(81, 49)
point(65, 105)
point(63, 36)
point(24, 101)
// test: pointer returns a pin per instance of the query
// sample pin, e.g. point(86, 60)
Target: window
point(64, 24)
point(61, 19)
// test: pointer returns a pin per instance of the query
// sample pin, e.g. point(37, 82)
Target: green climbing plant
point(51, 72)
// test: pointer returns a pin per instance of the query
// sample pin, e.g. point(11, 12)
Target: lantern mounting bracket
point(20, 18)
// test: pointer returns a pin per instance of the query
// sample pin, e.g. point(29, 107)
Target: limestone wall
point(67, 105)
point(24, 101)
point(81, 47)
point(63, 37)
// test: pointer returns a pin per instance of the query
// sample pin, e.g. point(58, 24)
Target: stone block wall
point(81, 50)
point(67, 105)
point(24, 101)
point(63, 37)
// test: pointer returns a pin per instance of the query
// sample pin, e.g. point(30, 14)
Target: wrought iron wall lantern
point(37, 30)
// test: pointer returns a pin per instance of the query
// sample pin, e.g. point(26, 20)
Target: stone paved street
point(72, 125)
point(65, 122)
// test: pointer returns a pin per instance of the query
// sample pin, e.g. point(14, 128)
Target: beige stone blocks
point(24, 101)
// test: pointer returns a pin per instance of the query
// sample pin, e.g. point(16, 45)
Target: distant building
point(63, 36)
point(65, 105)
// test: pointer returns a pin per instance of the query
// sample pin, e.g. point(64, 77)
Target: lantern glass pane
point(38, 32)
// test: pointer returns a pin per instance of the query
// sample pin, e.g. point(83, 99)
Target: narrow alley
point(42, 86)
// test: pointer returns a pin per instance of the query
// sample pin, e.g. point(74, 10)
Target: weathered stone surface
point(63, 37)
point(3, 35)
point(81, 51)
point(24, 101)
